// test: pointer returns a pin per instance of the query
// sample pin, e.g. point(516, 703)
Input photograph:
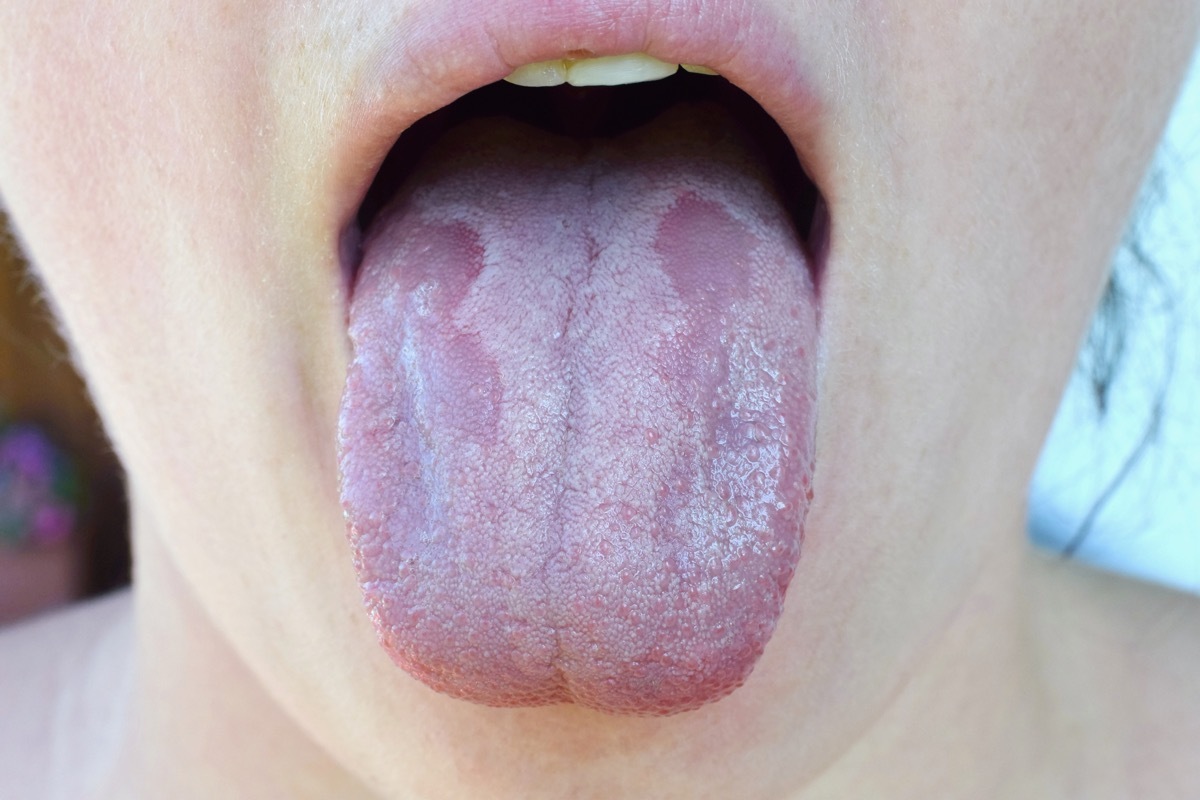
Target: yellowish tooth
point(618, 70)
point(699, 70)
point(543, 73)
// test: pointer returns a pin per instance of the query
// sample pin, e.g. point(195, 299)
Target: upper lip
point(451, 47)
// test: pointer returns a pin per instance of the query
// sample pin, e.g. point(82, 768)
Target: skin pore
point(177, 175)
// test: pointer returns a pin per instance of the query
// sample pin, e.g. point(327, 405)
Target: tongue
point(576, 439)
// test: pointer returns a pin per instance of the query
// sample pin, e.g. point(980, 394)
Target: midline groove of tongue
point(576, 439)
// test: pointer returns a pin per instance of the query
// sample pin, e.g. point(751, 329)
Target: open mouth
point(606, 111)
point(576, 439)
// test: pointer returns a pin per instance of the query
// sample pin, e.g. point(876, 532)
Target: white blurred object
point(1149, 525)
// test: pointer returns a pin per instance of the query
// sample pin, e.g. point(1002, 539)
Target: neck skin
point(972, 719)
point(204, 725)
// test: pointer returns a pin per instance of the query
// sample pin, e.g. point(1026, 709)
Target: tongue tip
point(614, 700)
point(631, 690)
point(651, 669)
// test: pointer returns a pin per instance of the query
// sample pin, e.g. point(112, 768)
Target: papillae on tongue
point(576, 439)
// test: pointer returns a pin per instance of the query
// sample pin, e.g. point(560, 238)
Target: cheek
point(201, 301)
point(984, 178)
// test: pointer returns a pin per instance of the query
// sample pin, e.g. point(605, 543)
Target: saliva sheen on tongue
point(576, 438)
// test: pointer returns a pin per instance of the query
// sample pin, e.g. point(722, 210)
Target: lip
point(457, 46)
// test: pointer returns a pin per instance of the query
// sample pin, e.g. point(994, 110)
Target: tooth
point(603, 71)
point(699, 70)
point(543, 73)
point(617, 70)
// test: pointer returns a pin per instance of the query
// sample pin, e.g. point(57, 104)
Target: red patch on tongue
point(576, 439)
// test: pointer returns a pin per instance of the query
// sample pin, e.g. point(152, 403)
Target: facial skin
point(178, 175)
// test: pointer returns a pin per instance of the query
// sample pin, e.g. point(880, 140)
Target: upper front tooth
point(543, 73)
point(603, 71)
point(618, 70)
point(698, 69)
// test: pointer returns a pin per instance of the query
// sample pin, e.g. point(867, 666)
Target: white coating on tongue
point(576, 437)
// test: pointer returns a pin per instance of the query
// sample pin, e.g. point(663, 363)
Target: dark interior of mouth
point(606, 112)
point(577, 438)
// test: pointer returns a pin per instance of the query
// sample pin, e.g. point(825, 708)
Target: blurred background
point(62, 501)
point(1121, 489)
point(1118, 484)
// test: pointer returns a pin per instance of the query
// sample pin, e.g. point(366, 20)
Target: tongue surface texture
point(576, 439)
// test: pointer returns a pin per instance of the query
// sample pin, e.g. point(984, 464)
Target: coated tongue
point(576, 439)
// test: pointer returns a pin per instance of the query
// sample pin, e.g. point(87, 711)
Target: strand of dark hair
point(1136, 277)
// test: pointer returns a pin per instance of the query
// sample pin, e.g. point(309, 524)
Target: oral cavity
point(576, 440)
